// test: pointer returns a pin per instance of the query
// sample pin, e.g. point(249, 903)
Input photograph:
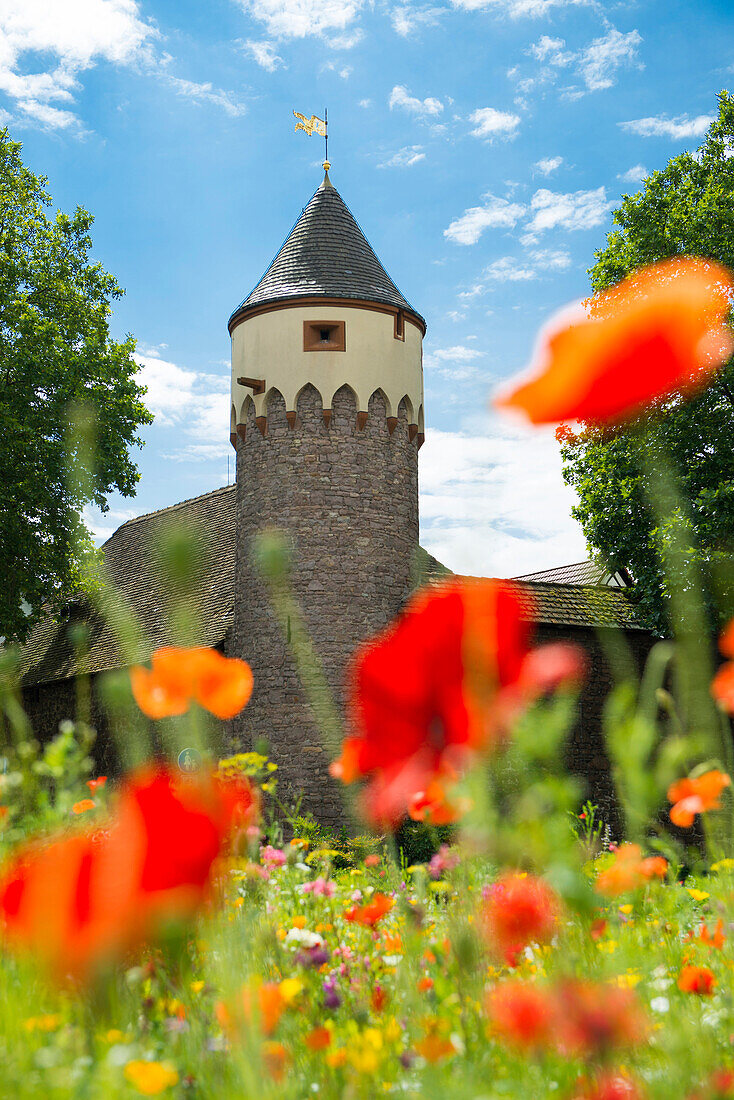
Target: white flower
point(301, 937)
point(660, 1004)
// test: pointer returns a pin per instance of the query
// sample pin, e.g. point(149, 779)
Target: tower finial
point(327, 182)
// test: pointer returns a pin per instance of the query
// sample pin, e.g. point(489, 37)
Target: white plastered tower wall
point(269, 348)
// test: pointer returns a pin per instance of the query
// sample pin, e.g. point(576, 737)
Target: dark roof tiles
point(325, 255)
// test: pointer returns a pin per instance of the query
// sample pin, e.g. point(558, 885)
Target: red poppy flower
point(222, 685)
point(439, 683)
point(696, 795)
point(521, 1013)
point(96, 784)
point(371, 913)
point(594, 1019)
point(77, 903)
point(610, 1086)
point(519, 910)
point(661, 331)
point(697, 979)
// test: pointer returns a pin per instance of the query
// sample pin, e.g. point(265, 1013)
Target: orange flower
point(629, 870)
point(83, 806)
point(318, 1039)
point(696, 795)
point(371, 913)
point(521, 1013)
point(519, 910)
point(610, 1086)
point(433, 1048)
point(722, 687)
point(594, 1018)
point(710, 939)
point(697, 979)
point(96, 784)
point(425, 984)
point(661, 331)
point(220, 684)
point(276, 1058)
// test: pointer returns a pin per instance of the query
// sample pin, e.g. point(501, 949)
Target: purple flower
point(331, 997)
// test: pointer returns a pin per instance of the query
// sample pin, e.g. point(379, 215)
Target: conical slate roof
point(326, 255)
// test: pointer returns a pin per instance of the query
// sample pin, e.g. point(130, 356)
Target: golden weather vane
point(315, 125)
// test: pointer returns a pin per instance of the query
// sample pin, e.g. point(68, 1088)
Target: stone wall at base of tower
point(345, 491)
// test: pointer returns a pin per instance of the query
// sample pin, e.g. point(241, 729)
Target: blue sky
point(481, 144)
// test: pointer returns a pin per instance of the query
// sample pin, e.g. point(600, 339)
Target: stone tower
point(327, 419)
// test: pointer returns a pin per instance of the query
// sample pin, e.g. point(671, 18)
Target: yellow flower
point(289, 989)
point(697, 895)
point(626, 909)
point(114, 1035)
point(723, 865)
point(196, 987)
point(607, 946)
point(42, 1023)
point(151, 1078)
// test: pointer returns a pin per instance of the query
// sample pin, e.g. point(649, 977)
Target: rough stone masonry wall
point(348, 499)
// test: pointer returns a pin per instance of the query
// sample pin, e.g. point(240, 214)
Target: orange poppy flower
point(222, 685)
point(521, 1013)
point(697, 979)
point(595, 1018)
point(434, 1047)
point(519, 910)
point(661, 331)
point(629, 870)
point(97, 784)
point(695, 796)
point(318, 1039)
point(83, 806)
point(710, 939)
point(371, 913)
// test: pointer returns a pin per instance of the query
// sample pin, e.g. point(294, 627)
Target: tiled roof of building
point(580, 572)
point(134, 567)
point(578, 605)
point(326, 255)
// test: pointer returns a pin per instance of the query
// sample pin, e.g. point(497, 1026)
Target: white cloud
point(196, 403)
point(548, 165)
point(331, 67)
point(601, 58)
point(517, 8)
point(405, 157)
point(491, 123)
point(264, 54)
point(365, 103)
point(456, 354)
point(577, 210)
point(550, 50)
point(301, 18)
point(400, 97)
point(74, 35)
point(453, 363)
point(206, 93)
point(509, 270)
point(675, 128)
point(549, 259)
point(493, 501)
point(635, 174)
point(596, 64)
point(495, 214)
point(406, 20)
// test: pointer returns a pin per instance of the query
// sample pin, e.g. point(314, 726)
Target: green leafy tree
point(687, 208)
point(56, 356)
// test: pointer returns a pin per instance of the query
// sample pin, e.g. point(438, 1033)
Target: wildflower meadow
point(186, 932)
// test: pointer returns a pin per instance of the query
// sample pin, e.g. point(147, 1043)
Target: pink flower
point(272, 857)
point(444, 860)
point(321, 887)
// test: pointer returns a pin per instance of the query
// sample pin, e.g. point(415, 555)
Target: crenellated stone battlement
point(340, 416)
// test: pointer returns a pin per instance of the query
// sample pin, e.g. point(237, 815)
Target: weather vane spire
point(316, 125)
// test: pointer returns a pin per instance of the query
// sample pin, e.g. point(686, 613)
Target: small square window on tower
point(324, 336)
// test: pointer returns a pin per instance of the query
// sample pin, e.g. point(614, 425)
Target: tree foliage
point(687, 208)
point(56, 356)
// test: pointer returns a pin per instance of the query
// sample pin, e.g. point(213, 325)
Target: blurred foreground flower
point(371, 913)
point(722, 687)
point(696, 795)
point(628, 870)
point(661, 331)
point(441, 683)
point(79, 902)
point(697, 979)
point(519, 910)
point(177, 677)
